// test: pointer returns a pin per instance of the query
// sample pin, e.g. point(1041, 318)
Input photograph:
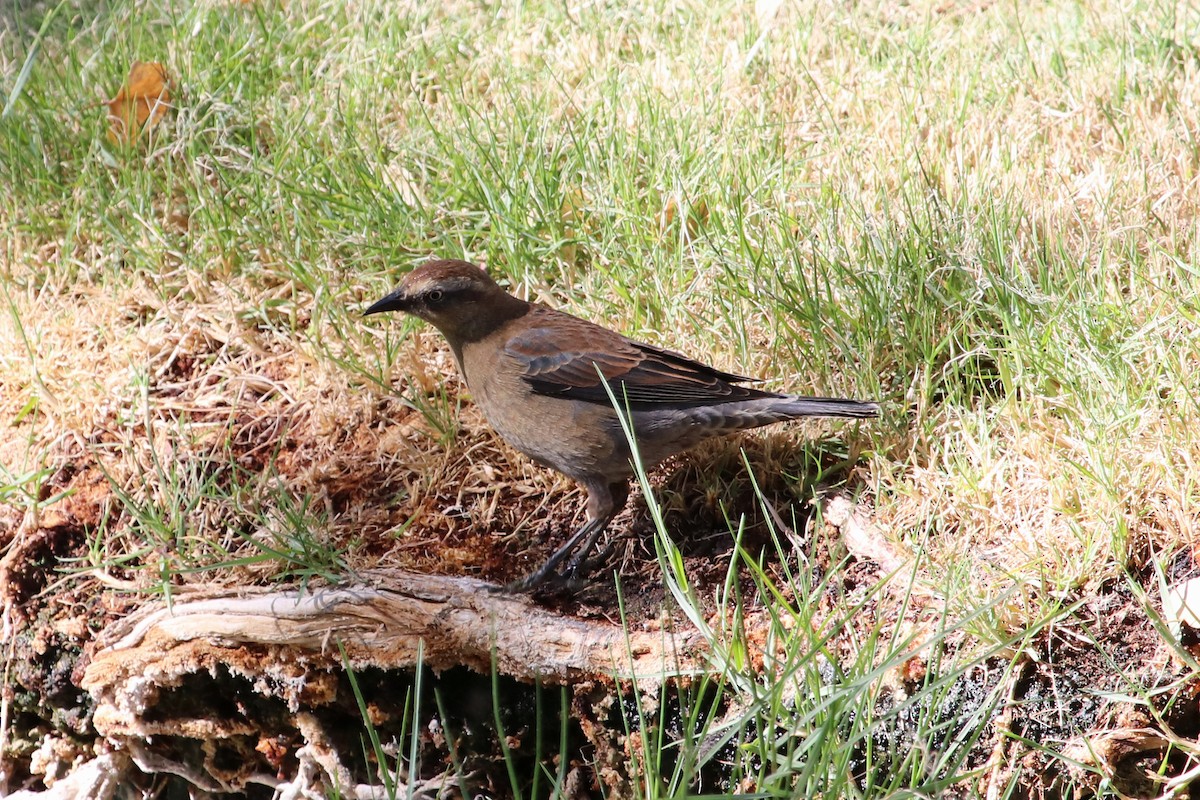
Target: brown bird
point(539, 376)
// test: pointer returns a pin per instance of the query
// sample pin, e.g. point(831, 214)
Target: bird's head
point(456, 297)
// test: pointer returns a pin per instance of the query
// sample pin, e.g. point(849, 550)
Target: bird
point(543, 377)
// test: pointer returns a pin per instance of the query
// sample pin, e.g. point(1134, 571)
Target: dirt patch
point(368, 482)
point(1102, 676)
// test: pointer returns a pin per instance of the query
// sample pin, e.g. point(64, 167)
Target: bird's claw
point(531, 581)
point(542, 582)
point(581, 566)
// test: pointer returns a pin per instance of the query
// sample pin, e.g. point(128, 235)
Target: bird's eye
point(436, 296)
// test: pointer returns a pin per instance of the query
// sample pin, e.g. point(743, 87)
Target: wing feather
point(564, 356)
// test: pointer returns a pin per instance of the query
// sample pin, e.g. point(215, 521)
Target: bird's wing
point(563, 356)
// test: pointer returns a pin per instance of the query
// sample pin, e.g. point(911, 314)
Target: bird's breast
point(573, 437)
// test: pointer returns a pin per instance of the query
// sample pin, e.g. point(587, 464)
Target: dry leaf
point(142, 102)
point(694, 217)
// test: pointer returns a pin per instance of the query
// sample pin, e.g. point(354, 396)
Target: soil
point(504, 735)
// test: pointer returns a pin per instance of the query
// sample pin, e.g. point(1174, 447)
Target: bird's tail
point(665, 432)
point(796, 406)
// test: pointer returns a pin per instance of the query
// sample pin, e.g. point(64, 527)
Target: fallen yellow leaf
point(142, 102)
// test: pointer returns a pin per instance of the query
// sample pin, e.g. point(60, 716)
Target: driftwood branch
point(458, 621)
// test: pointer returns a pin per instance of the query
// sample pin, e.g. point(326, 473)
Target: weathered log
point(294, 646)
point(460, 621)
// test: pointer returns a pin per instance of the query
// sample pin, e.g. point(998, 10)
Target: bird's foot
point(580, 566)
point(531, 581)
point(543, 582)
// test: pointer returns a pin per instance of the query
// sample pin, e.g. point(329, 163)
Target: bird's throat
point(482, 322)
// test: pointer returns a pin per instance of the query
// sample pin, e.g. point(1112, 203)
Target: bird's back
point(560, 355)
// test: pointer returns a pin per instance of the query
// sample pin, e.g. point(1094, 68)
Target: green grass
point(982, 216)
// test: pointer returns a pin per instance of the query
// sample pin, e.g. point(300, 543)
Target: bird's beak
point(396, 301)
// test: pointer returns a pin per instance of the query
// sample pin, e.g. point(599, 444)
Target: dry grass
point(982, 214)
point(1040, 163)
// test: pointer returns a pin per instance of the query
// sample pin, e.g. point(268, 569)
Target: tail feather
point(828, 407)
point(667, 431)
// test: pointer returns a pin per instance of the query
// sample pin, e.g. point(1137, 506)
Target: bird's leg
point(618, 494)
point(539, 576)
point(602, 506)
